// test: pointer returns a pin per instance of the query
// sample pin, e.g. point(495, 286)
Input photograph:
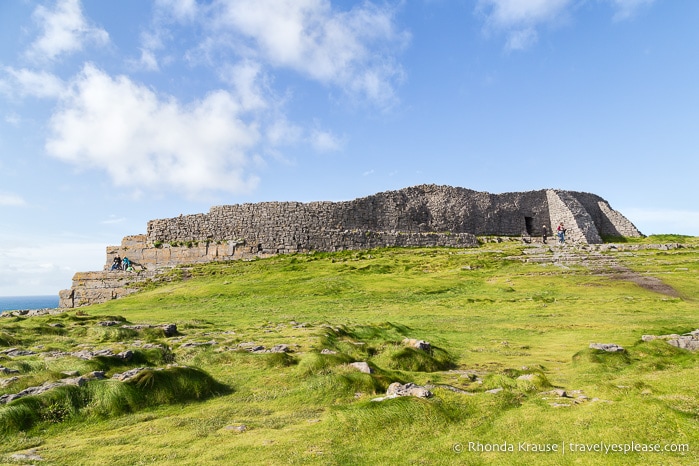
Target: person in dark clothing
point(116, 265)
point(544, 233)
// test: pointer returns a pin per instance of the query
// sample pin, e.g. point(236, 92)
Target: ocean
point(13, 303)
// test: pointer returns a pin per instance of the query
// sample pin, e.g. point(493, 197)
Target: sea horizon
point(21, 303)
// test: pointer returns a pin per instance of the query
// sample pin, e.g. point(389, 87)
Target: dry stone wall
point(98, 287)
point(426, 215)
point(290, 226)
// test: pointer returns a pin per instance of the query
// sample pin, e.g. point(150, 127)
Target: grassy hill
point(509, 367)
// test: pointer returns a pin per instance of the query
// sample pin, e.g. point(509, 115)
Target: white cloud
point(64, 30)
point(112, 220)
point(515, 13)
point(520, 19)
point(11, 200)
point(148, 61)
point(351, 49)
point(24, 82)
point(325, 141)
point(282, 132)
point(522, 39)
point(148, 142)
point(628, 8)
point(178, 9)
point(12, 119)
point(249, 83)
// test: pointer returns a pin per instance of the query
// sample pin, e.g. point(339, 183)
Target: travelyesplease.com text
point(570, 447)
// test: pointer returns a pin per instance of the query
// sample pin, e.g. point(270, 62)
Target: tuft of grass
point(176, 385)
point(316, 363)
point(280, 360)
point(104, 398)
point(7, 339)
point(602, 361)
point(415, 360)
point(105, 334)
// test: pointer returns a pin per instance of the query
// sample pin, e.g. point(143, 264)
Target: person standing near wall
point(561, 231)
point(544, 233)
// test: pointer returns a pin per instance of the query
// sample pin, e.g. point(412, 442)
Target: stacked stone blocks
point(420, 216)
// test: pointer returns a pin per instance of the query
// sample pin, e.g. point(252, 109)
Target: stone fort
point(419, 216)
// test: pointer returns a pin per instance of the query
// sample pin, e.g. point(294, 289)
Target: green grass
point(493, 322)
point(654, 239)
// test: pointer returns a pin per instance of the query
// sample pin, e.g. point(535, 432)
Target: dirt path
point(644, 281)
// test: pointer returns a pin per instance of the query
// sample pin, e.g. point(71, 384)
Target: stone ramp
point(594, 257)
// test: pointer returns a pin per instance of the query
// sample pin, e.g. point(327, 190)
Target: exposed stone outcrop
point(417, 344)
point(361, 366)
point(397, 389)
point(77, 381)
point(420, 216)
point(689, 341)
point(608, 347)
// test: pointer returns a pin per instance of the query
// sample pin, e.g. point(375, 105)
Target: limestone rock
point(36, 390)
point(237, 429)
point(608, 347)
point(417, 344)
point(280, 349)
point(6, 382)
point(16, 352)
point(361, 367)
point(108, 323)
point(26, 456)
point(408, 389)
point(124, 376)
point(194, 344)
point(170, 330)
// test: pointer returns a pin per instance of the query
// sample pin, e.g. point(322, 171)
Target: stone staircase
point(601, 259)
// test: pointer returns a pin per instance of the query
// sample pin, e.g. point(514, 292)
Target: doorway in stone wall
point(529, 225)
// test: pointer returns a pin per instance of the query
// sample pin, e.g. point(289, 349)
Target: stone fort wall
point(426, 215)
point(289, 226)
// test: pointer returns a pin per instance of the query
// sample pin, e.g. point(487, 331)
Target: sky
point(116, 113)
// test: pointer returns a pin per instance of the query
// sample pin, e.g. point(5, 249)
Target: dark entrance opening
point(529, 225)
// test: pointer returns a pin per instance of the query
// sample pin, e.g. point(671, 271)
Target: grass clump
point(106, 334)
point(318, 364)
point(103, 398)
point(602, 361)
point(175, 385)
point(280, 360)
point(416, 360)
point(7, 339)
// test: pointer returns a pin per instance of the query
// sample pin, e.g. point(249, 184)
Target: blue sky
point(116, 113)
